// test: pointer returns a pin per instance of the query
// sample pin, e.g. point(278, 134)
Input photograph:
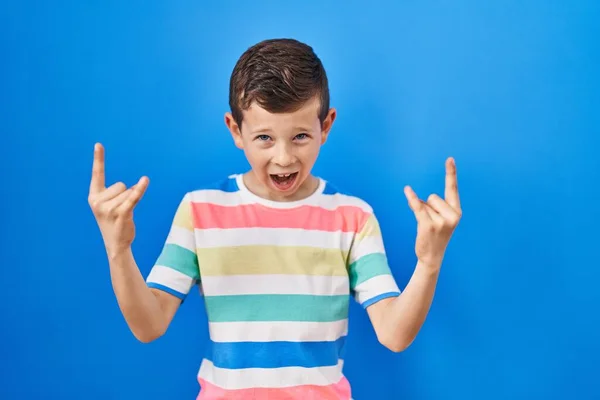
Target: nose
point(283, 156)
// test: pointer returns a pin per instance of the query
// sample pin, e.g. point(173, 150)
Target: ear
point(235, 130)
point(327, 124)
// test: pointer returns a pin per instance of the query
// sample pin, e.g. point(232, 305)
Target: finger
point(441, 207)
point(117, 201)
point(136, 194)
point(416, 205)
point(111, 192)
point(97, 182)
point(451, 191)
point(432, 213)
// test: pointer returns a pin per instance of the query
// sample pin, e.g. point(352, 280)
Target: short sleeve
point(176, 270)
point(371, 279)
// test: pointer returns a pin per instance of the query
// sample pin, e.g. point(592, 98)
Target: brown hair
point(280, 75)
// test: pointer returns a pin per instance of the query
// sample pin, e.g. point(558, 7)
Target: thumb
point(415, 204)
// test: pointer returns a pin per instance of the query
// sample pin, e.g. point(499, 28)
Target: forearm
point(140, 307)
point(406, 314)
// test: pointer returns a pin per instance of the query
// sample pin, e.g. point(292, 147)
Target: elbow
point(396, 347)
point(396, 344)
point(147, 336)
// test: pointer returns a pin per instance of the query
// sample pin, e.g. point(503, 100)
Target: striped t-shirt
point(276, 279)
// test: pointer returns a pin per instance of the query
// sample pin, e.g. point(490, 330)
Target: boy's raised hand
point(436, 219)
point(113, 206)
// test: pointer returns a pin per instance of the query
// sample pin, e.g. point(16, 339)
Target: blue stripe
point(382, 296)
point(228, 185)
point(166, 289)
point(330, 189)
point(237, 355)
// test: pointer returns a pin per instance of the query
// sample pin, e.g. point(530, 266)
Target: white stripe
point(368, 245)
point(218, 197)
point(328, 202)
point(223, 285)
point(170, 278)
point(182, 237)
point(212, 238)
point(374, 287)
point(269, 331)
point(245, 378)
point(331, 202)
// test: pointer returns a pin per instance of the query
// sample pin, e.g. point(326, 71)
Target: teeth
point(283, 175)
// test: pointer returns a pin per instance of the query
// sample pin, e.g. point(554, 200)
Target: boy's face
point(281, 149)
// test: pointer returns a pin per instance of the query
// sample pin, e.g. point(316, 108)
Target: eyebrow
point(262, 130)
point(297, 128)
point(302, 128)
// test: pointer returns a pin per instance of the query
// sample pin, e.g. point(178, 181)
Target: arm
point(371, 279)
point(150, 305)
point(397, 321)
point(148, 312)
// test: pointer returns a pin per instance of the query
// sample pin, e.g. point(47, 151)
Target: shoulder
point(336, 197)
point(222, 190)
point(356, 212)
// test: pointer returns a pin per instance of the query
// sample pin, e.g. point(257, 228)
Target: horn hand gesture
point(437, 219)
point(113, 206)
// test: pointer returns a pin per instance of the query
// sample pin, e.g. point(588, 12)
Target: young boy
point(276, 251)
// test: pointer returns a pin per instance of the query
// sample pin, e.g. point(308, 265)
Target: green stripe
point(275, 307)
point(180, 259)
point(367, 267)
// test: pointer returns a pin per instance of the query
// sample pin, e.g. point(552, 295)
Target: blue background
point(511, 89)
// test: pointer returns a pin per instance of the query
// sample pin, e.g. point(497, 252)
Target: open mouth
point(284, 181)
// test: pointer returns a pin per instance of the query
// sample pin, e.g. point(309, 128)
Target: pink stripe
point(337, 391)
point(343, 218)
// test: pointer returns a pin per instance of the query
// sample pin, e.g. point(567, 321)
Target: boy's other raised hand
point(437, 218)
point(113, 206)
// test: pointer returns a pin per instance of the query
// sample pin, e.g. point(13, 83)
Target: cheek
point(257, 158)
point(309, 154)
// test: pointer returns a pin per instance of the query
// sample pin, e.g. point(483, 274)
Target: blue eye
point(263, 137)
point(302, 136)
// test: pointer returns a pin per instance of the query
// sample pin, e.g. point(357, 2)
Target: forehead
point(257, 118)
